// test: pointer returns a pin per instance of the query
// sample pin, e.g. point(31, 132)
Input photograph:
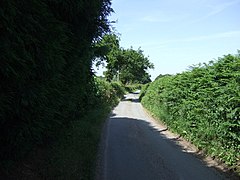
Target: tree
point(133, 67)
point(127, 65)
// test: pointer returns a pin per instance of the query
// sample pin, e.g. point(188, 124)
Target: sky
point(176, 34)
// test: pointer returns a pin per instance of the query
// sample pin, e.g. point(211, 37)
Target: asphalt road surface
point(134, 147)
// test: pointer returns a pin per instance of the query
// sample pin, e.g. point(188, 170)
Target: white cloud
point(164, 44)
point(221, 7)
point(229, 34)
point(216, 9)
point(155, 19)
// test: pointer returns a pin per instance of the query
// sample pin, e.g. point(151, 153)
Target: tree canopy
point(126, 65)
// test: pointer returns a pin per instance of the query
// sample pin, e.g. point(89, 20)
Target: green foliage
point(74, 154)
point(46, 78)
point(203, 105)
point(126, 65)
point(134, 67)
point(143, 91)
point(118, 89)
point(108, 93)
point(107, 48)
point(133, 87)
point(161, 76)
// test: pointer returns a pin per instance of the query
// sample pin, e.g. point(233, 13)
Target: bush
point(118, 89)
point(109, 93)
point(202, 105)
point(133, 87)
point(143, 91)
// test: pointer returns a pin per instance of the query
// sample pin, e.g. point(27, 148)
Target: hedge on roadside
point(203, 105)
point(143, 91)
point(133, 87)
point(74, 154)
point(46, 78)
point(107, 92)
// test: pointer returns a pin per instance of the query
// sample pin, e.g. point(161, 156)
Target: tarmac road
point(133, 147)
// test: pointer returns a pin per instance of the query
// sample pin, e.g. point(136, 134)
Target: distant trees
point(126, 65)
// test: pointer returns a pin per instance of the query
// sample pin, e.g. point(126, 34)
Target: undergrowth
point(73, 156)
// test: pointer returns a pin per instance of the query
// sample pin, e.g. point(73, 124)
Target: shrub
point(107, 92)
point(118, 89)
point(143, 91)
point(133, 87)
point(202, 105)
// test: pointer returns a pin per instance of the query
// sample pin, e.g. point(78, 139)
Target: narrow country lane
point(134, 147)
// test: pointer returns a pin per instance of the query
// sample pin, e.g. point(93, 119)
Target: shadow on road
point(134, 138)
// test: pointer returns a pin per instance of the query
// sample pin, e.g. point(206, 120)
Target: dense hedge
point(74, 154)
point(45, 69)
point(109, 93)
point(143, 91)
point(133, 87)
point(203, 105)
